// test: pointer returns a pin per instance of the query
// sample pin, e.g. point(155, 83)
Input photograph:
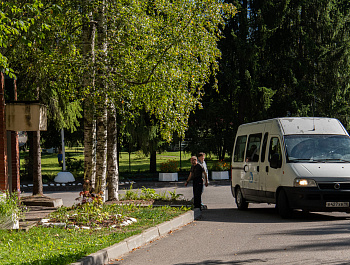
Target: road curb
point(104, 255)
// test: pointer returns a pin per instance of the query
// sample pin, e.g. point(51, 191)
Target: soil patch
point(152, 202)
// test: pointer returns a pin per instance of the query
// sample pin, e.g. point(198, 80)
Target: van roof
point(307, 125)
point(311, 125)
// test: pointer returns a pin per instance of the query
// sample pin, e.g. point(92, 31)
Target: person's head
point(194, 160)
point(201, 157)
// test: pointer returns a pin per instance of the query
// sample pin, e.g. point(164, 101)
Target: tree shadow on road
point(265, 215)
point(220, 262)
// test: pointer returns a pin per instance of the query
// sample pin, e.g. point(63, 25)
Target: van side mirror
point(276, 161)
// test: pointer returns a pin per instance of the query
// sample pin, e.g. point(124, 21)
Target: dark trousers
point(197, 193)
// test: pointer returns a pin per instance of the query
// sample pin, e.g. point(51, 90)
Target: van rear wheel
point(283, 206)
point(242, 204)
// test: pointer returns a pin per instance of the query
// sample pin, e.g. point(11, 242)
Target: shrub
point(10, 205)
point(169, 166)
point(139, 155)
point(130, 194)
point(49, 176)
point(148, 194)
point(74, 165)
point(220, 165)
point(174, 196)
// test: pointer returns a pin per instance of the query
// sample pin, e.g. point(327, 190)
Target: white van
point(295, 163)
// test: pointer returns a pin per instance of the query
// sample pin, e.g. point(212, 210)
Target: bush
point(74, 165)
point(170, 166)
point(49, 176)
point(139, 155)
point(10, 205)
point(220, 165)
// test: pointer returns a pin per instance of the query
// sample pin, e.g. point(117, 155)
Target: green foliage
point(10, 205)
point(279, 58)
point(220, 165)
point(89, 212)
point(169, 166)
point(49, 176)
point(148, 194)
point(174, 196)
point(74, 165)
point(175, 56)
point(17, 22)
point(139, 154)
point(130, 194)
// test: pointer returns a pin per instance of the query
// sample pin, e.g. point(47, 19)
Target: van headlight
point(304, 183)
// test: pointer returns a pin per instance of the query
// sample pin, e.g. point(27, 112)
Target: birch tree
point(159, 57)
point(101, 99)
point(88, 52)
point(112, 162)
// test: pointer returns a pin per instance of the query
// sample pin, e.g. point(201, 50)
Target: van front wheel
point(242, 204)
point(282, 205)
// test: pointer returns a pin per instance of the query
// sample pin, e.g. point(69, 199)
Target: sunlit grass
point(63, 246)
point(134, 162)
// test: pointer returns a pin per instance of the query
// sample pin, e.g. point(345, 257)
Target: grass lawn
point(133, 163)
point(46, 245)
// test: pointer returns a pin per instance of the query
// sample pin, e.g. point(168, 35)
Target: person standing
point(196, 175)
point(201, 157)
point(60, 158)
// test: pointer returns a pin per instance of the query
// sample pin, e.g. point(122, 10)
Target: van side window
point(253, 148)
point(263, 149)
point(275, 152)
point(239, 148)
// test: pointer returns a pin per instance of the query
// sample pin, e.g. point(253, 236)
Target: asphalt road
point(225, 235)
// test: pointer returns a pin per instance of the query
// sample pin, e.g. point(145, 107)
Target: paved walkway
point(38, 208)
point(35, 214)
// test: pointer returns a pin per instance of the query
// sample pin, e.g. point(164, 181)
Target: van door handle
point(267, 168)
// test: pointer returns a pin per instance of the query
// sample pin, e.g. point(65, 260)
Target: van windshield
point(317, 148)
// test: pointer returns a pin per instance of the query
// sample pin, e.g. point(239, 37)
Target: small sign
point(26, 117)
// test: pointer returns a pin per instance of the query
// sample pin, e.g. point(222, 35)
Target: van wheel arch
point(241, 202)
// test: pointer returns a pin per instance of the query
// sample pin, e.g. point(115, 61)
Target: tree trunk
point(101, 149)
point(153, 162)
point(89, 147)
point(101, 87)
point(37, 178)
point(30, 160)
point(88, 47)
point(112, 157)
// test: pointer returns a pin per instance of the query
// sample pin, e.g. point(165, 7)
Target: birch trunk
point(89, 146)
point(101, 149)
point(88, 49)
point(112, 158)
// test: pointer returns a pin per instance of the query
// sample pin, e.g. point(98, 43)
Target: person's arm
point(206, 170)
point(206, 183)
point(188, 179)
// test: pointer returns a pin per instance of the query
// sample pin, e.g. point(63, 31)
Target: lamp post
point(64, 176)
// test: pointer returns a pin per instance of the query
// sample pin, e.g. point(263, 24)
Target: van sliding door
point(251, 169)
